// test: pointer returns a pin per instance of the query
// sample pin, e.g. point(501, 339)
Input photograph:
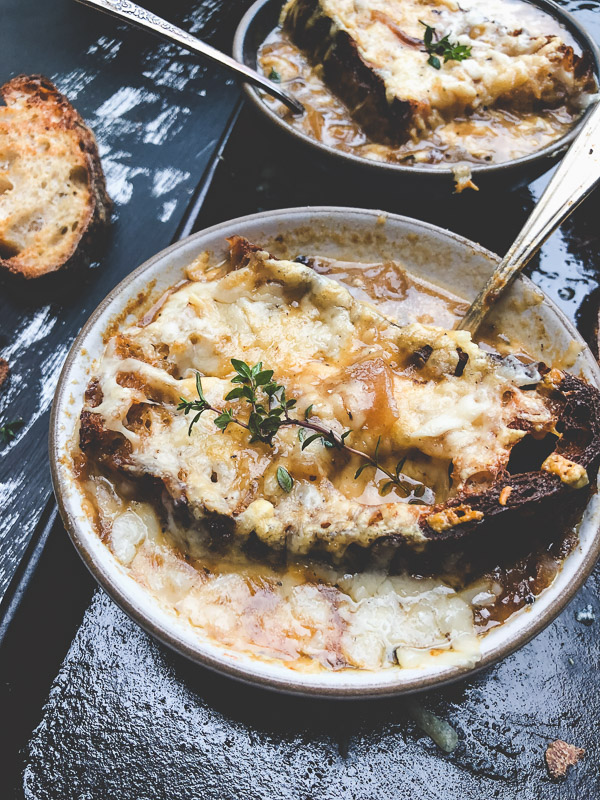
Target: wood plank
point(158, 115)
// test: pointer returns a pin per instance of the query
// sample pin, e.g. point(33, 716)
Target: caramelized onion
point(410, 41)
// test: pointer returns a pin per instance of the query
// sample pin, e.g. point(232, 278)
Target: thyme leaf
point(8, 431)
point(269, 412)
point(284, 479)
point(442, 47)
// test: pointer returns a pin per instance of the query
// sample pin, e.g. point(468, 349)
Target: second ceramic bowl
point(351, 234)
point(263, 16)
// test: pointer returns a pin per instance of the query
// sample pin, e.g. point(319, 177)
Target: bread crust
point(578, 410)
point(4, 371)
point(348, 76)
point(55, 113)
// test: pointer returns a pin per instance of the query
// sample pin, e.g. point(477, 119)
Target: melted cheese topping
point(571, 473)
point(527, 67)
point(512, 97)
point(355, 368)
point(308, 618)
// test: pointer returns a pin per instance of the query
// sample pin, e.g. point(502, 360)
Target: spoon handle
point(136, 15)
point(576, 176)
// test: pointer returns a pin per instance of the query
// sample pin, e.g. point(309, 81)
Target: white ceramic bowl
point(433, 253)
point(263, 16)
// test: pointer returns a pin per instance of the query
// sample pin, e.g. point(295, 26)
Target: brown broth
point(490, 136)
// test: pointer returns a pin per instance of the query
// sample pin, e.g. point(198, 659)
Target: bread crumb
point(4, 371)
point(560, 756)
point(463, 179)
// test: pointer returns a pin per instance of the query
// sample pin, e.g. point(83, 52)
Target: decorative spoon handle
point(576, 176)
point(136, 15)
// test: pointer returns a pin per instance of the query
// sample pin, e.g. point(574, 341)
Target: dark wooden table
point(123, 717)
point(158, 116)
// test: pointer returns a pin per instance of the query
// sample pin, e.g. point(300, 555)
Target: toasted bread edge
point(40, 91)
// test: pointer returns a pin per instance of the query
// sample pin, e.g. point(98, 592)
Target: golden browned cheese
point(449, 518)
point(349, 368)
point(574, 475)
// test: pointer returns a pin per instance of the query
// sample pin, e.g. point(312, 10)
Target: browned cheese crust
point(532, 492)
point(560, 756)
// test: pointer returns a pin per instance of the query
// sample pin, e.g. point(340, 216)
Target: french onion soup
point(292, 458)
point(429, 82)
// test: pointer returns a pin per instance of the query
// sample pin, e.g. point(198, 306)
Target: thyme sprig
point(269, 412)
point(442, 47)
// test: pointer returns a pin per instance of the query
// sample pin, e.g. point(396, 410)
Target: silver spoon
point(575, 178)
point(136, 15)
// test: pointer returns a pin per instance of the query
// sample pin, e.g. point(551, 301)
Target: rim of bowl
point(292, 683)
point(553, 149)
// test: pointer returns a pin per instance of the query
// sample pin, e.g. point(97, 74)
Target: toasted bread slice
point(373, 56)
point(482, 443)
point(53, 198)
point(4, 371)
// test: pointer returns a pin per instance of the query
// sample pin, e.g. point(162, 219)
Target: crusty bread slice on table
point(53, 200)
